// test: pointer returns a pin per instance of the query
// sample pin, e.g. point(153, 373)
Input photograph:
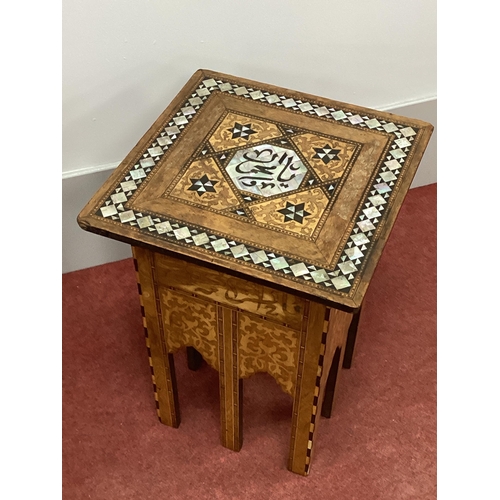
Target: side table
point(256, 216)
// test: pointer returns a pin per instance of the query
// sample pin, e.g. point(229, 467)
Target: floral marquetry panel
point(268, 347)
point(270, 183)
point(189, 321)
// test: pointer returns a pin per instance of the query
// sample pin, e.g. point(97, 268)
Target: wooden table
point(257, 216)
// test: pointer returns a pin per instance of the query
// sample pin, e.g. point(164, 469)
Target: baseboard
point(427, 111)
point(81, 249)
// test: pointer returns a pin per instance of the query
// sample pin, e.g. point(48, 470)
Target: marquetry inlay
point(231, 162)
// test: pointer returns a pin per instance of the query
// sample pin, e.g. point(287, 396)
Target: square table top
point(268, 183)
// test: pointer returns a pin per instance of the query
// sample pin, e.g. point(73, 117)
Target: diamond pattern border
point(342, 276)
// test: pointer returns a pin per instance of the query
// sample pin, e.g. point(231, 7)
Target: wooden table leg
point(194, 358)
point(161, 362)
point(346, 354)
point(331, 383)
point(323, 332)
point(351, 339)
point(230, 385)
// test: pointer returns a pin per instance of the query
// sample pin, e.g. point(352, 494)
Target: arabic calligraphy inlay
point(266, 170)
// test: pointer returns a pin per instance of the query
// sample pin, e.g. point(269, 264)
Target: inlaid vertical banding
point(160, 360)
point(146, 335)
point(308, 394)
point(317, 389)
point(222, 381)
point(237, 382)
point(174, 419)
point(230, 385)
point(298, 385)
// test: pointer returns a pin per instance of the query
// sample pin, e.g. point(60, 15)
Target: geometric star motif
point(294, 212)
point(326, 154)
point(202, 185)
point(243, 131)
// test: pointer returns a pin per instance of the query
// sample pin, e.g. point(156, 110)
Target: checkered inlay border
point(340, 278)
point(148, 343)
point(315, 409)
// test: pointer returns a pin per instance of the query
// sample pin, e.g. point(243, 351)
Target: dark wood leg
point(351, 340)
point(326, 407)
point(194, 358)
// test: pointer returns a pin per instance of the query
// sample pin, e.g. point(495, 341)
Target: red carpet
point(379, 444)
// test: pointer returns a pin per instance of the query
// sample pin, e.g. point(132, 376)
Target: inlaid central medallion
point(266, 170)
point(265, 173)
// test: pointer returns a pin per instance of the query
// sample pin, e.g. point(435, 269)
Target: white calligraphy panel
point(266, 170)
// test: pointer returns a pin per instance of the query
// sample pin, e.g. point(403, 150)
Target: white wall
point(123, 61)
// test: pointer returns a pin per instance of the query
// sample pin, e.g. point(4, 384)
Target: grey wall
point(123, 62)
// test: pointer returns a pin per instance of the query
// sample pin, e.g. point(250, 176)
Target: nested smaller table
point(257, 216)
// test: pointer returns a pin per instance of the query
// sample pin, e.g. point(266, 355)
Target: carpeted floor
point(379, 444)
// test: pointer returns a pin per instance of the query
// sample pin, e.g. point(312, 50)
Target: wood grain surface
point(344, 171)
point(257, 215)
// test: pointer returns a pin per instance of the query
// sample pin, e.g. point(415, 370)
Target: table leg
point(323, 332)
point(194, 358)
point(351, 339)
point(331, 383)
point(230, 385)
point(160, 360)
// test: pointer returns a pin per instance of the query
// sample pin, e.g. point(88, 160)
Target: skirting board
point(81, 249)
